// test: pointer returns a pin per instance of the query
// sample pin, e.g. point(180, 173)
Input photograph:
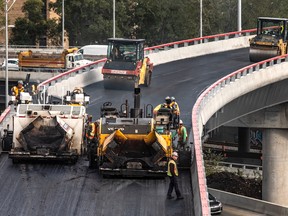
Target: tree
point(2, 13)
point(34, 28)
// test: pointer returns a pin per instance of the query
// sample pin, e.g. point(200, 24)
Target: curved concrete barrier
point(225, 90)
point(249, 203)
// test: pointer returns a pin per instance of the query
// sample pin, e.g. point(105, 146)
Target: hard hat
point(167, 98)
point(20, 82)
point(180, 122)
point(175, 154)
point(173, 98)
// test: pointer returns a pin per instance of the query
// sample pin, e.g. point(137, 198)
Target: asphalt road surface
point(42, 189)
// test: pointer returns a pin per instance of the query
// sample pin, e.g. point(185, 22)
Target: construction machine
point(126, 66)
point(47, 62)
point(271, 39)
point(131, 143)
point(48, 132)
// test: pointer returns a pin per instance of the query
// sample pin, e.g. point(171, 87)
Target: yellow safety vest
point(174, 105)
point(175, 168)
point(91, 131)
point(17, 90)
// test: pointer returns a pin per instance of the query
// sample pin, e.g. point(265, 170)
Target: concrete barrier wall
point(249, 203)
point(199, 50)
point(239, 87)
point(34, 76)
point(78, 80)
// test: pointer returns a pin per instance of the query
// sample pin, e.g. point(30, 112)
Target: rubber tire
point(6, 144)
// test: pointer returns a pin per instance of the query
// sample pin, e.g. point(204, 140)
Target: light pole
point(239, 16)
point(63, 19)
point(201, 27)
point(113, 18)
point(6, 49)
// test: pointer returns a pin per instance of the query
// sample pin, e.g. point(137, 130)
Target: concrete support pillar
point(275, 166)
point(243, 140)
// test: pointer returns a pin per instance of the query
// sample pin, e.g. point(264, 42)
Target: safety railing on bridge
point(155, 49)
point(198, 121)
point(196, 41)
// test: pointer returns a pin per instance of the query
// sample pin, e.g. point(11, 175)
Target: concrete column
point(275, 166)
point(243, 140)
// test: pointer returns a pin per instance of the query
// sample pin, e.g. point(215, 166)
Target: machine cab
point(276, 27)
point(125, 50)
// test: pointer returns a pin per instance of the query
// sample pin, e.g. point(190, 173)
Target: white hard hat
point(20, 82)
point(173, 98)
point(180, 122)
point(175, 154)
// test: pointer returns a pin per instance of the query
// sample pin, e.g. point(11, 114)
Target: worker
point(16, 90)
point(167, 103)
point(116, 54)
point(182, 135)
point(77, 90)
point(174, 105)
point(164, 105)
point(175, 112)
point(90, 129)
point(173, 176)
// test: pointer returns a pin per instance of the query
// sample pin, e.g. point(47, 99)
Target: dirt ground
point(233, 183)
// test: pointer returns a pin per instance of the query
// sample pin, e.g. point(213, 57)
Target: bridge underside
point(264, 108)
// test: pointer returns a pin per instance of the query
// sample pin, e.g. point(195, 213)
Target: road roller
point(126, 66)
point(271, 39)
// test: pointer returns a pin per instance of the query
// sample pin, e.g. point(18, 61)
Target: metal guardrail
point(241, 166)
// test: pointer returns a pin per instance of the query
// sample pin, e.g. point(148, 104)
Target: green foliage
point(161, 21)
point(34, 26)
point(211, 161)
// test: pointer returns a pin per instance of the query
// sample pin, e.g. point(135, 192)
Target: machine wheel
point(148, 76)
point(6, 143)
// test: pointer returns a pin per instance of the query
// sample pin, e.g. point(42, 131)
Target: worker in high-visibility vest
point(173, 176)
point(182, 135)
point(90, 129)
point(16, 90)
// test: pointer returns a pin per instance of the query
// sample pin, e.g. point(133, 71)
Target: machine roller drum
point(259, 54)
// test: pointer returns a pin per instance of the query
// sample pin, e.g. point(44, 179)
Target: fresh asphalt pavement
point(42, 189)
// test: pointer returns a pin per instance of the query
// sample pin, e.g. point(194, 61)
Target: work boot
point(169, 197)
point(180, 198)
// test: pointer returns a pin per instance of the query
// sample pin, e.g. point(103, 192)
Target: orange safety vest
point(175, 168)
